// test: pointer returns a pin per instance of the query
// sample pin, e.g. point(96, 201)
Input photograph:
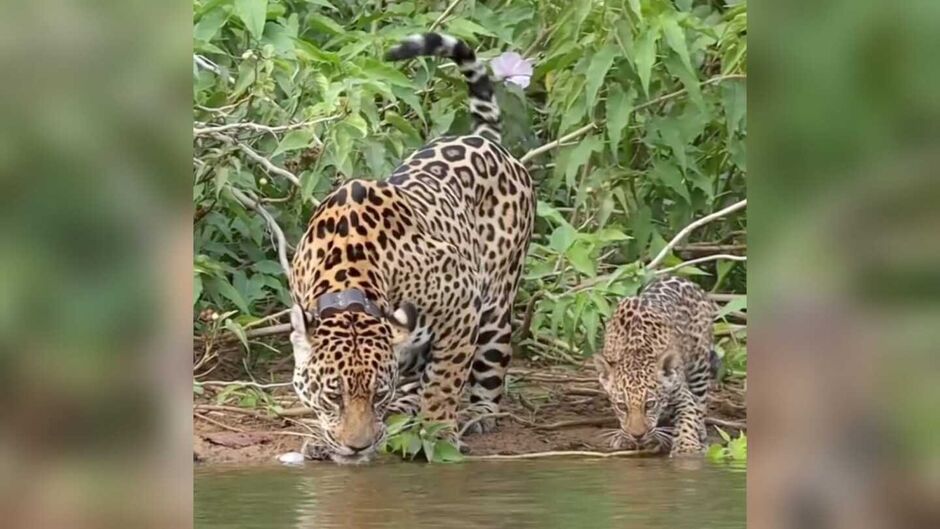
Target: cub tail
point(483, 106)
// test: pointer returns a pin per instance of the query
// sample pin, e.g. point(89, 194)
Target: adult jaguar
point(419, 270)
point(656, 365)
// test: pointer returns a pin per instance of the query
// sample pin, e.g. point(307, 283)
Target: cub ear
point(403, 320)
point(669, 363)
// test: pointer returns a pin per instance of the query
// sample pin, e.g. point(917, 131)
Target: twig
point(269, 317)
point(711, 248)
point(677, 93)
point(444, 15)
point(206, 64)
point(267, 164)
point(218, 423)
point(275, 228)
point(259, 127)
point(562, 453)
point(702, 260)
point(551, 145)
point(685, 231)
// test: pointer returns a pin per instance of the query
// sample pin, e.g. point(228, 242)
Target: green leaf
point(447, 453)
point(619, 107)
point(724, 435)
point(463, 28)
point(736, 304)
point(238, 331)
point(546, 211)
point(597, 71)
point(675, 39)
point(669, 175)
point(252, 13)
point(637, 10)
point(579, 254)
point(397, 422)
point(609, 235)
point(325, 24)
point(322, 3)
point(734, 101)
point(233, 295)
point(562, 238)
point(209, 24)
point(402, 124)
point(645, 56)
point(716, 453)
point(197, 288)
point(428, 446)
point(293, 140)
point(383, 72)
point(579, 156)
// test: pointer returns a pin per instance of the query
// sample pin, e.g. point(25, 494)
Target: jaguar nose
point(357, 449)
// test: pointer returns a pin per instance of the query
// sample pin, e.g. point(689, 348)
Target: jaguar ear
point(403, 320)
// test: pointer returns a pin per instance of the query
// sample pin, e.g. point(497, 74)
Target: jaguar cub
point(656, 366)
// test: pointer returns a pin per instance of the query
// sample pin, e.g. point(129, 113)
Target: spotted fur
point(657, 363)
point(444, 238)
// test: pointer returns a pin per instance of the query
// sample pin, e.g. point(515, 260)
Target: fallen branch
point(702, 260)
point(241, 383)
point(688, 229)
point(562, 453)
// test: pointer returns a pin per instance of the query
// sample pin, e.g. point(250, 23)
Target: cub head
point(639, 373)
point(346, 370)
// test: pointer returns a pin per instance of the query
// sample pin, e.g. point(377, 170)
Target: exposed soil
point(552, 408)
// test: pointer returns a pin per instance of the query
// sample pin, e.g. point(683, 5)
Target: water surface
point(606, 493)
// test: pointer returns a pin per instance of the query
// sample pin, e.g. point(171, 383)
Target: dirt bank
point(551, 408)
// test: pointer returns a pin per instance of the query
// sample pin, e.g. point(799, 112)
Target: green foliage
point(664, 82)
point(731, 450)
point(410, 437)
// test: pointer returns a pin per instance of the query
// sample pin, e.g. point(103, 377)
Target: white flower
point(512, 68)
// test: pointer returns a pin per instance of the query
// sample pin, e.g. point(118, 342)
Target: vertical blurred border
point(844, 280)
point(95, 264)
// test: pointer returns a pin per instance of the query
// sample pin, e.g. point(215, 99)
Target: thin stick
point(727, 424)
point(270, 317)
point(596, 421)
point(551, 145)
point(278, 232)
point(685, 231)
point(561, 453)
point(444, 15)
point(702, 260)
point(241, 383)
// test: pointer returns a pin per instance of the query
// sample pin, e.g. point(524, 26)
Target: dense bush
point(291, 97)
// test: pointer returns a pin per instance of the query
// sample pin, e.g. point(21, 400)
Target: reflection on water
point(613, 493)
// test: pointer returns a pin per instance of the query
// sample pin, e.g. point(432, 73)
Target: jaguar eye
point(332, 395)
point(650, 404)
point(380, 394)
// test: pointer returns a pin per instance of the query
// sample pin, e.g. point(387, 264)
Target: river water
point(562, 493)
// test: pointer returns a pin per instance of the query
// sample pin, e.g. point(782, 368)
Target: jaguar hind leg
point(488, 371)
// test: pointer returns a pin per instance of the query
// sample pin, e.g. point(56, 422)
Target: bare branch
point(702, 260)
point(272, 224)
point(206, 64)
point(551, 145)
point(267, 164)
point(688, 229)
point(259, 127)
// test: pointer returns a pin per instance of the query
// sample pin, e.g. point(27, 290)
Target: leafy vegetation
point(731, 450)
point(291, 97)
point(411, 437)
